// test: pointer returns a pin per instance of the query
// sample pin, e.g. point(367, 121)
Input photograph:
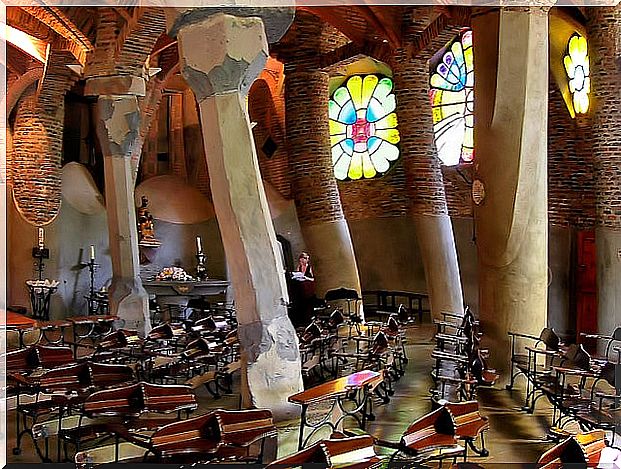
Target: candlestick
point(41, 238)
point(199, 245)
point(92, 252)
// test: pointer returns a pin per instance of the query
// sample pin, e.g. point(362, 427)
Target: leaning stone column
point(434, 229)
point(220, 77)
point(604, 29)
point(314, 186)
point(511, 90)
point(118, 124)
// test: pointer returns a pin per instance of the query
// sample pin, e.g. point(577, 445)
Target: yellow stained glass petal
point(587, 85)
point(390, 135)
point(368, 170)
point(388, 122)
point(355, 167)
point(335, 139)
point(337, 127)
point(569, 66)
point(354, 85)
point(368, 85)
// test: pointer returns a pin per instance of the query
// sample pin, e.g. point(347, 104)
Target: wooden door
point(586, 288)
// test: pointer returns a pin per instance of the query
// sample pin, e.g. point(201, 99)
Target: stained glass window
point(451, 92)
point(363, 127)
point(577, 67)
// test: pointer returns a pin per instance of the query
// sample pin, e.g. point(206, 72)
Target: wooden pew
point(582, 449)
point(220, 435)
point(359, 385)
point(353, 453)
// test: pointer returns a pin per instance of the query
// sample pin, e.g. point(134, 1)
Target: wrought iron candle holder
point(201, 267)
point(39, 253)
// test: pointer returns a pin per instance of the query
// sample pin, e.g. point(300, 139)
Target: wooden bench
point(357, 451)
point(388, 301)
point(582, 450)
point(357, 386)
point(248, 436)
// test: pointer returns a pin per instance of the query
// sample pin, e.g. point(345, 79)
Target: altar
point(176, 292)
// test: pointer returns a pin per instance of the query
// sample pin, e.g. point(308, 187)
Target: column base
point(271, 370)
point(130, 301)
point(437, 246)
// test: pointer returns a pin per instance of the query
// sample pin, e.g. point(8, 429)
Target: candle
point(41, 238)
point(199, 245)
point(92, 252)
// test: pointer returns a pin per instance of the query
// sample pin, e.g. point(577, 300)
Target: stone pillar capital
point(238, 52)
point(115, 85)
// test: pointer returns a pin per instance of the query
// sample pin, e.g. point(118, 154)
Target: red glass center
point(361, 130)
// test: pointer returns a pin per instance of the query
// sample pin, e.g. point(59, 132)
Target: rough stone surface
point(270, 353)
point(276, 20)
point(231, 67)
point(117, 129)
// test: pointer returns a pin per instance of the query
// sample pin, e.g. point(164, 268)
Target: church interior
point(351, 235)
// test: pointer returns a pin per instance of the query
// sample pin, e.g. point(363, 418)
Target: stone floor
point(514, 437)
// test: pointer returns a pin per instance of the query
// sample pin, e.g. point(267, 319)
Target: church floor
point(514, 436)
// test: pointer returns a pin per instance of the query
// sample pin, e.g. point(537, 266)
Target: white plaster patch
point(117, 125)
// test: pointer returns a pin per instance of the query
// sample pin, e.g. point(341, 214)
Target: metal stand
point(201, 267)
point(40, 253)
point(40, 300)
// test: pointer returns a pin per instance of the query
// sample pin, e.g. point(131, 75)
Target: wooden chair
point(470, 425)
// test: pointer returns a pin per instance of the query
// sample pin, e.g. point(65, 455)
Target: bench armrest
point(523, 336)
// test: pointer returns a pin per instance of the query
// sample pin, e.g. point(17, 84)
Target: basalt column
point(220, 77)
point(314, 187)
point(604, 29)
point(118, 124)
point(434, 230)
point(511, 89)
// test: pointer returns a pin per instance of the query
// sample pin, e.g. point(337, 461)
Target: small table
point(361, 384)
point(21, 324)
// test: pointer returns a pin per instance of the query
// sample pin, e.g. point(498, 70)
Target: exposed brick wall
point(571, 184)
point(102, 61)
point(262, 106)
point(308, 139)
point(458, 190)
point(604, 33)
point(37, 144)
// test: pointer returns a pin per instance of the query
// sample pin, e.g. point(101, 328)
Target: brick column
point(314, 186)
point(511, 90)
point(604, 30)
point(38, 141)
point(220, 78)
point(425, 186)
point(118, 124)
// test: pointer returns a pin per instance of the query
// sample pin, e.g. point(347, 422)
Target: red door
point(586, 288)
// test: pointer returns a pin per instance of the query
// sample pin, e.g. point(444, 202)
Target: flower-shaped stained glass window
point(577, 67)
point(451, 92)
point(363, 127)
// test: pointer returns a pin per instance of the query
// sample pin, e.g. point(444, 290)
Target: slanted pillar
point(425, 186)
point(324, 227)
point(118, 125)
point(220, 77)
point(511, 89)
point(604, 30)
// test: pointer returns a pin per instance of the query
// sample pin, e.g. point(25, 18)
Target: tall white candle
point(41, 238)
point(92, 252)
point(199, 245)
